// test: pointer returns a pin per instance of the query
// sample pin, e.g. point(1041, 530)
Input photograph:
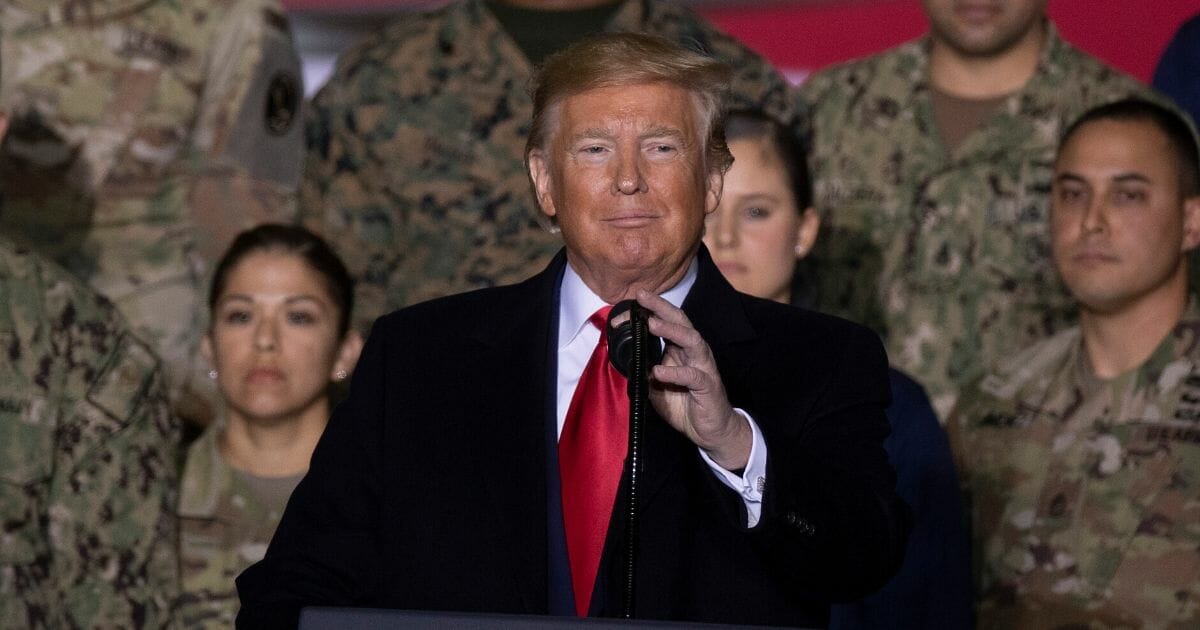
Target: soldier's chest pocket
point(1150, 535)
point(125, 90)
point(980, 219)
point(26, 465)
point(1016, 223)
point(205, 551)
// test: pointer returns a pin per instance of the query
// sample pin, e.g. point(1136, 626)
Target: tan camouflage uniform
point(88, 459)
point(145, 134)
point(416, 146)
point(945, 255)
point(224, 527)
point(1085, 493)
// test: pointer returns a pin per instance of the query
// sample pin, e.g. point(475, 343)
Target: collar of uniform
point(490, 40)
point(471, 25)
point(1030, 102)
point(1040, 93)
point(1169, 362)
point(577, 302)
point(205, 474)
point(1179, 344)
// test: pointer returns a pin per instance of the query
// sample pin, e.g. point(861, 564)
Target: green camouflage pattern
point(143, 137)
point(415, 168)
point(88, 461)
point(945, 255)
point(1084, 494)
point(224, 527)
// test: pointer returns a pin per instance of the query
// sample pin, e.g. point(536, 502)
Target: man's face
point(1119, 223)
point(624, 174)
point(983, 28)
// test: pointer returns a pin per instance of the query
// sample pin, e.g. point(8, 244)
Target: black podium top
point(382, 619)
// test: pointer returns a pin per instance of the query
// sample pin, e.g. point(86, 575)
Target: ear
point(3, 124)
point(712, 194)
point(348, 353)
point(539, 174)
point(1191, 223)
point(806, 232)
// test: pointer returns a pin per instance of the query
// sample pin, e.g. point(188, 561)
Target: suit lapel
point(519, 338)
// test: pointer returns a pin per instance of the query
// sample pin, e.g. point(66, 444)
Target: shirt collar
point(577, 302)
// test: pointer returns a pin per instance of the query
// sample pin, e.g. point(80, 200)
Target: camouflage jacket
point(87, 460)
point(1085, 493)
point(946, 255)
point(416, 150)
point(224, 527)
point(145, 134)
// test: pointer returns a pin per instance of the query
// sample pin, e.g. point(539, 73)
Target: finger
point(681, 335)
point(662, 309)
point(690, 378)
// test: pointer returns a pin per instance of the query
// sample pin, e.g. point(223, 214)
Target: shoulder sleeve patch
point(267, 139)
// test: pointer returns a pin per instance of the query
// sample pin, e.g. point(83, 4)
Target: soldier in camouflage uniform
point(280, 337)
point(145, 134)
point(416, 148)
point(87, 459)
point(227, 518)
point(940, 248)
point(1081, 454)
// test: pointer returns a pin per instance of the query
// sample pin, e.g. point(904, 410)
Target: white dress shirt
point(577, 340)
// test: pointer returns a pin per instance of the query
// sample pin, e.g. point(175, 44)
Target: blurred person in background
point(88, 458)
point(145, 134)
point(931, 165)
point(1079, 454)
point(1178, 72)
point(279, 339)
point(415, 167)
point(762, 229)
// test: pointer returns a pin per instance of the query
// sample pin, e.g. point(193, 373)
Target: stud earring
point(212, 374)
point(339, 375)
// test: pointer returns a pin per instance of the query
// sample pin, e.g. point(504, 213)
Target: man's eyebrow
point(662, 131)
point(1131, 177)
point(593, 133)
point(1119, 178)
point(1069, 177)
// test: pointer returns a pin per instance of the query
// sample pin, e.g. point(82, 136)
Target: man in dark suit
point(463, 473)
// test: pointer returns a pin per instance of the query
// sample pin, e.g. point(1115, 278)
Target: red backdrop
point(1128, 35)
point(809, 35)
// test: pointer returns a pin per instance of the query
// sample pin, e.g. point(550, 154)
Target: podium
point(382, 619)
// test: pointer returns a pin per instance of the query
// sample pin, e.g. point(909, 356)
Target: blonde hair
point(633, 59)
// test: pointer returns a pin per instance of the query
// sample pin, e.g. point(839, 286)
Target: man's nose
point(1095, 218)
point(628, 180)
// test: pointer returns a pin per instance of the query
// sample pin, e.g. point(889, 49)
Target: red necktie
point(591, 455)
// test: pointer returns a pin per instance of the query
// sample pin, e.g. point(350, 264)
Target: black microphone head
point(620, 337)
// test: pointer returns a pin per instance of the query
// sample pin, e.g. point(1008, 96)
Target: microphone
point(632, 350)
point(621, 340)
